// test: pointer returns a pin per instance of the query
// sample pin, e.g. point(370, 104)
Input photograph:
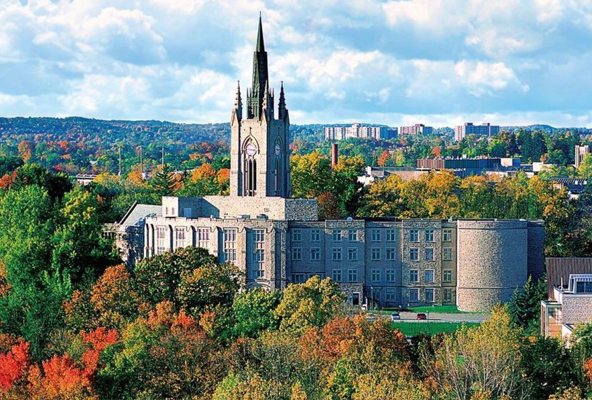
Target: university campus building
point(277, 240)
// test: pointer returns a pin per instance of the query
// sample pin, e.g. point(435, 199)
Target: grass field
point(438, 309)
point(425, 309)
point(429, 328)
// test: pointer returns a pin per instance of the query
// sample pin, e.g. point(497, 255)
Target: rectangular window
point(428, 276)
point(413, 276)
point(390, 296)
point(447, 295)
point(413, 235)
point(375, 254)
point(297, 235)
point(429, 235)
point(414, 254)
point(429, 295)
point(390, 254)
point(179, 237)
point(375, 235)
point(390, 275)
point(447, 253)
point(298, 278)
point(413, 295)
point(336, 235)
point(161, 239)
point(203, 237)
point(352, 254)
point(259, 262)
point(447, 276)
point(375, 275)
point(296, 254)
point(429, 254)
point(336, 253)
point(229, 239)
point(390, 235)
point(352, 235)
point(315, 235)
point(187, 212)
point(315, 254)
point(352, 275)
point(447, 235)
point(336, 275)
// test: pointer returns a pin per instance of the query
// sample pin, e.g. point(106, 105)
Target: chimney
point(334, 155)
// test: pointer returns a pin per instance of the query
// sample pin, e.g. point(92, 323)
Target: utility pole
point(119, 155)
point(139, 148)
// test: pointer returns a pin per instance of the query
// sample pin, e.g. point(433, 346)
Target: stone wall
point(576, 309)
point(492, 262)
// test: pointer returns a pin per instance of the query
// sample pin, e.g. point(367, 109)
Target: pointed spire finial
point(260, 43)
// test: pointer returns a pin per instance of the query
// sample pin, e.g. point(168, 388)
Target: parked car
point(421, 316)
point(395, 316)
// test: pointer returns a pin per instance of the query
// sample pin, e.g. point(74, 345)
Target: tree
point(79, 247)
point(163, 182)
point(309, 304)
point(479, 361)
point(189, 277)
point(548, 366)
point(32, 307)
point(524, 306)
point(253, 312)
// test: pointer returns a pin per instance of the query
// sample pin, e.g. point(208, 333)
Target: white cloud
point(179, 60)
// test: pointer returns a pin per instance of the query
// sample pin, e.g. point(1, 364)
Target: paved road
point(443, 317)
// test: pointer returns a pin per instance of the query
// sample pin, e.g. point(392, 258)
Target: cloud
point(390, 60)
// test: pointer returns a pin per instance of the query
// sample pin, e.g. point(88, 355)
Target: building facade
point(417, 129)
point(468, 128)
point(276, 240)
point(360, 132)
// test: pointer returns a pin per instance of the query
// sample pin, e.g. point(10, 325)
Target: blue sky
point(440, 62)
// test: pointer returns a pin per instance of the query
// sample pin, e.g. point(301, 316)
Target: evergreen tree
point(163, 182)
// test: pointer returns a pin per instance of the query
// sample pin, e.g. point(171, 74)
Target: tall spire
point(260, 44)
point(260, 77)
point(238, 102)
point(282, 103)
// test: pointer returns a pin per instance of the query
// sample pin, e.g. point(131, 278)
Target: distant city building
point(569, 282)
point(580, 153)
point(360, 132)
point(417, 129)
point(485, 129)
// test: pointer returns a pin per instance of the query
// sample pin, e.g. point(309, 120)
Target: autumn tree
point(309, 304)
point(478, 361)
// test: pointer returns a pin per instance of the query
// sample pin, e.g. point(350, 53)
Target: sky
point(439, 62)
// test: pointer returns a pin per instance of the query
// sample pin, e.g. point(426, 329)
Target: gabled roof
point(138, 212)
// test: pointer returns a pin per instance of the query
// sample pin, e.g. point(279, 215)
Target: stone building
point(276, 240)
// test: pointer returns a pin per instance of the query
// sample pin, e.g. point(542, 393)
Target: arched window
point(250, 169)
point(277, 166)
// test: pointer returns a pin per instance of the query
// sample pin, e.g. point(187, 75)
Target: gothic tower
point(259, 143)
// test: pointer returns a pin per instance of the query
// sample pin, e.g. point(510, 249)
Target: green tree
point(189, 277)
point(32, 307)
point(525, 305)
point(79, 247)
point(253, 312)
point(163, 182)
point(309, 304)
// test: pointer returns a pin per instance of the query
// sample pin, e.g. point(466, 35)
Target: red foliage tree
point(13, 365)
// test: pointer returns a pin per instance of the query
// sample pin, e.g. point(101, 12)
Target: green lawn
point(439, 309)
point(429, 328)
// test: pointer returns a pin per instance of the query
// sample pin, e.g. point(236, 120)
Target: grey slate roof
point(137, 213)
